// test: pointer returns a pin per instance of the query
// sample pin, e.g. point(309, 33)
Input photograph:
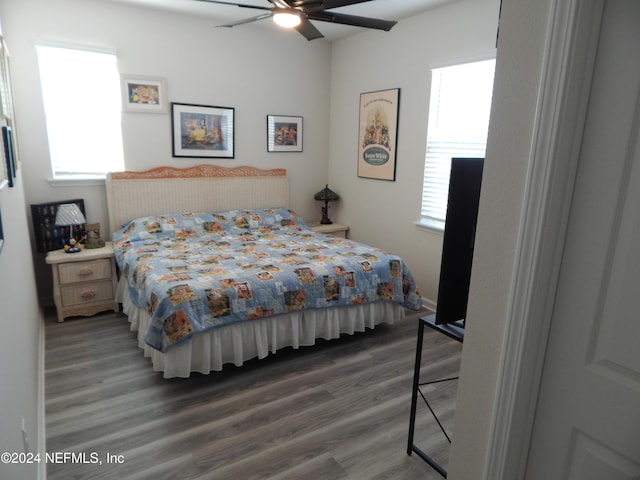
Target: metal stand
point(457, 333)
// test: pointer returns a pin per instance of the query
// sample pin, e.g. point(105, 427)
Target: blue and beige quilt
point(194, 272)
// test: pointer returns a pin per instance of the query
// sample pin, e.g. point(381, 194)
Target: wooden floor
point(339, 410)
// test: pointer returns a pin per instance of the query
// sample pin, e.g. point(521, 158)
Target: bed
point(215, 269)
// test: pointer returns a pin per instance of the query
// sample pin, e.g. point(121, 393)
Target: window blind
point(460, 104)
point(82, 103)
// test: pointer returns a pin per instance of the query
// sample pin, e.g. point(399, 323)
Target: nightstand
point(84, 283)
point(335, 229)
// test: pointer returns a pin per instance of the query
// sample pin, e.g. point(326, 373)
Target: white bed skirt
point(209, 351)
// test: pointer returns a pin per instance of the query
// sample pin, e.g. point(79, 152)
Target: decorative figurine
point(71, 246)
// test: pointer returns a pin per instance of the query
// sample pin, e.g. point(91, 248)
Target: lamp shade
point(69, 214)
point(326, 195)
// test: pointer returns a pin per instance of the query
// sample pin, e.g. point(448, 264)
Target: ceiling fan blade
point(311, 10)
point(353, 20)
point(307, 29)
point(242, 5)
point(329, 4)
point(282, 3)
point(310, 5)
point(247, 20)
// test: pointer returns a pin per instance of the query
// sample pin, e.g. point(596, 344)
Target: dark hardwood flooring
point(338, 410)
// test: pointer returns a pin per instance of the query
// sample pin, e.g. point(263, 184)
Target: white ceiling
point(383, 9)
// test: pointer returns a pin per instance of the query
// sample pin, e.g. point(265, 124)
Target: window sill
point(75, 182)
point(431, 226)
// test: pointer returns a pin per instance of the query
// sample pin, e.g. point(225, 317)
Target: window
point(459, 109)
point(82, 104)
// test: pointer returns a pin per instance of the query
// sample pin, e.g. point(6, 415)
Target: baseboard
point(41, 423)
point(430, 304)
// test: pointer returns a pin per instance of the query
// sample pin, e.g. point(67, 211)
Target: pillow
point(272, 218)
point(188, 225)
point(174, 225)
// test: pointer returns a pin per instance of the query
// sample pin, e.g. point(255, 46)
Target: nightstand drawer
point(86, 293)
point(84, 271)
point(335, 229)
point(84, 283)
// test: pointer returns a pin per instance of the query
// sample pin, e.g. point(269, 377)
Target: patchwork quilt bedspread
point(197, 271)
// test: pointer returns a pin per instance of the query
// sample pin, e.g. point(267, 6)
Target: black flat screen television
point(458, 241)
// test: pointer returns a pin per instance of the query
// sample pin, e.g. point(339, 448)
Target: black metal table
point(452, 330)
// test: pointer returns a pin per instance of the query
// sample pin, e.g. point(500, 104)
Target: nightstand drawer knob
point(88, 294)
point(85, 272)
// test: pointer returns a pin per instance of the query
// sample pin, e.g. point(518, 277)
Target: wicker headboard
point(205, 188)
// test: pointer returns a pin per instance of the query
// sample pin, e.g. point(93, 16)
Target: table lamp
point(326, 195)
point(70, 215)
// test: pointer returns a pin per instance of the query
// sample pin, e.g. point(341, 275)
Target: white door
point(587, 422)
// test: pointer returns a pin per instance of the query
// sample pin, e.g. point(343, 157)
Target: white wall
point(257, 71)
point(20, 324)
point(379, 212)
point(520, 63)
point(261, 71)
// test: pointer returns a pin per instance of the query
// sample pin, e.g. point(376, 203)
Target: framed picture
point(48, 235)
point(1, 233)
point(284, 134)
point(6, 101)
point(202, 131)
point(92, 236)
point(143, 94)
point(5, 167)
point(378, 134)
point(9, 155)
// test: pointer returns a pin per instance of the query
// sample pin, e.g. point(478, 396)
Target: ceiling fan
point(297, 13)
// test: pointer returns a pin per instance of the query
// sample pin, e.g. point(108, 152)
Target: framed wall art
point(5, 167)
point(284, 133)
point(6, 98)
point(48, 235)
point(202, 131)
point(378, 134)
point(8, 145)
point(9, 155)
point(1, 233)
point(143, 94)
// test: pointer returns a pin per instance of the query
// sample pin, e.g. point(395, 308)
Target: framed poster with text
point(378, 133)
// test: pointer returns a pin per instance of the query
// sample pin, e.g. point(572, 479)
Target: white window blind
point(459, 109)
point(82, 103)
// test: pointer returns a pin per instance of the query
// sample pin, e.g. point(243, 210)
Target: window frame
point(90, 178)
point(438, 169)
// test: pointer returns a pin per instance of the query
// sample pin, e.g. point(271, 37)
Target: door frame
point(573, 33)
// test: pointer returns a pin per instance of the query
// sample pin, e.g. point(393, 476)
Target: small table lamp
point(326, 195)
point(68, 215)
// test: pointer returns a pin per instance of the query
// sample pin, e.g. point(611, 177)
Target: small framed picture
point(93, 238)
point(284, 133)
point(202, 131)
point(144, 94)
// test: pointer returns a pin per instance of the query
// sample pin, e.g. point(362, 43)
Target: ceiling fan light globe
point(287, 19)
